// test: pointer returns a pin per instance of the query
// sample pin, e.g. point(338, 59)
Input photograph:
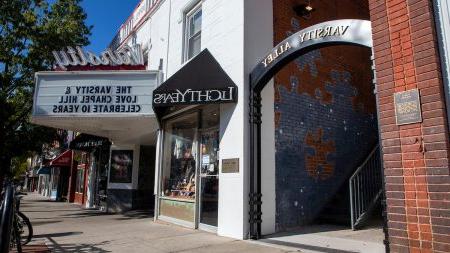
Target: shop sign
point(230, 165)
point(99, 93)
point(192, 96)
point(407, 107)
point(78, 57)
point(87, 144)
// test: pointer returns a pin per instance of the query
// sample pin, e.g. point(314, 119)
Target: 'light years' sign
point(94, 93)
point(192, 96)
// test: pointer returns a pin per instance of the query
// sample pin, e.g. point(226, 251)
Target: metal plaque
point(407, 107)
point(230, 165)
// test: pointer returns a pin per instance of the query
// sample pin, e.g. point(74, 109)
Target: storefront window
point(191, 152)
point(180, 155)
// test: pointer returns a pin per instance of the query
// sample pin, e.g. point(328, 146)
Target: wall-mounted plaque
point(230, 165)
point(407, 107)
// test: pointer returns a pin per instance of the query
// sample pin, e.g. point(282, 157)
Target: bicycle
point(15, 227)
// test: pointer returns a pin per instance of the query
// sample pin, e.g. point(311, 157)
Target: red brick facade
point(416, 156)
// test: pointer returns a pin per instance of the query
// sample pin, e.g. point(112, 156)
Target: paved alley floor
point(65, 227)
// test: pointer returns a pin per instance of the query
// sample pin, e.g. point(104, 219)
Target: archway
point(331, 33)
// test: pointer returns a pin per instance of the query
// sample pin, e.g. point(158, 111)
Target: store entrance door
point(209, 179)
point(101, 168)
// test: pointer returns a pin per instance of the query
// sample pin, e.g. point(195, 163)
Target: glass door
point(209, 178)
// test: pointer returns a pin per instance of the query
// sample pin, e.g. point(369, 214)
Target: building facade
point(276, 115)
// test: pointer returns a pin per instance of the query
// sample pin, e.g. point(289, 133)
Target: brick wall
point(325, 114)
point(416, 156)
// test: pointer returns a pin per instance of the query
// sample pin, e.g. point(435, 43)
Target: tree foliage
point(29, 31)
point(19, 165)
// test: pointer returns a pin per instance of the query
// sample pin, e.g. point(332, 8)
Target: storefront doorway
point(100, 166)
point(191, 155)
point(209, 171)
point(81, 184)
point(188, 106)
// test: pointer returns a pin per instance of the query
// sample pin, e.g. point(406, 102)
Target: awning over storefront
point(33, 172)
point(63, 160)
point(44, 171)
point(87, 142)
point(201, 81)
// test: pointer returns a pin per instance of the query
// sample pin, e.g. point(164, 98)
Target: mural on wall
point(317, 164)
point(325, 117)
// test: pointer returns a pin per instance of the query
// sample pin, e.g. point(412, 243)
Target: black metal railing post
point(7, 213)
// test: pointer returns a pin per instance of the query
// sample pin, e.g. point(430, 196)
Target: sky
point(106, 16)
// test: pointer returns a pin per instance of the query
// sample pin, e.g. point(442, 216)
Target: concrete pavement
point(66, 227)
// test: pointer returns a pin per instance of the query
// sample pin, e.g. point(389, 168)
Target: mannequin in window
point(186, 170)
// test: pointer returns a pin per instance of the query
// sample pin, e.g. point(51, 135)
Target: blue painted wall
point(319, 142)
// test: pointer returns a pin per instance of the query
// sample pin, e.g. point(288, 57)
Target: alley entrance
point(323, 176)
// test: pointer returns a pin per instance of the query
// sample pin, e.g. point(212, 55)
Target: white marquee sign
point(94, 93)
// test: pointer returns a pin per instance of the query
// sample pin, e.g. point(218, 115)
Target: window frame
point(188, 16)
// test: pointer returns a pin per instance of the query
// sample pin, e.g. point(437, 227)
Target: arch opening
point(260, 77)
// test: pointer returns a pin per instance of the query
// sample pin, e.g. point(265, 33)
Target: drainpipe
point(442, 19)
point(168, 38)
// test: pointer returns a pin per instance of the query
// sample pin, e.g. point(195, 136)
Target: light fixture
point(303, 10)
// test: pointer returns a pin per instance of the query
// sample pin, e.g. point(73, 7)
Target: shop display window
point(190, 163)
point(180, 155)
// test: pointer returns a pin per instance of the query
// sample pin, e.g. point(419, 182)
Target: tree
point(29, 31)
point(19, 165)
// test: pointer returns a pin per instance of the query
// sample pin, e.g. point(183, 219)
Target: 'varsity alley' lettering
point(314, 34)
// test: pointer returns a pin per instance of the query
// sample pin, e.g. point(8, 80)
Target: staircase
point(365, 187)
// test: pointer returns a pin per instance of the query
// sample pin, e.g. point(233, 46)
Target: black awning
point(87, 142)
point(201, 81)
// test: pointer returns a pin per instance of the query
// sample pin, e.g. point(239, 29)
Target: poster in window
point(121, 166)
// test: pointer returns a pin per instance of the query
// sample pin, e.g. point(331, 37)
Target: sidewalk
point(66, 227)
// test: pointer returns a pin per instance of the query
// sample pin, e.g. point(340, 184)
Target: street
point(65, 227)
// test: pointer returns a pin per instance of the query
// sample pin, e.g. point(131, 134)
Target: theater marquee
point(99, 93)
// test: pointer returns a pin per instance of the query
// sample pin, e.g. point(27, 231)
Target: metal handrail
point(365, 161)
point(365, 188)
